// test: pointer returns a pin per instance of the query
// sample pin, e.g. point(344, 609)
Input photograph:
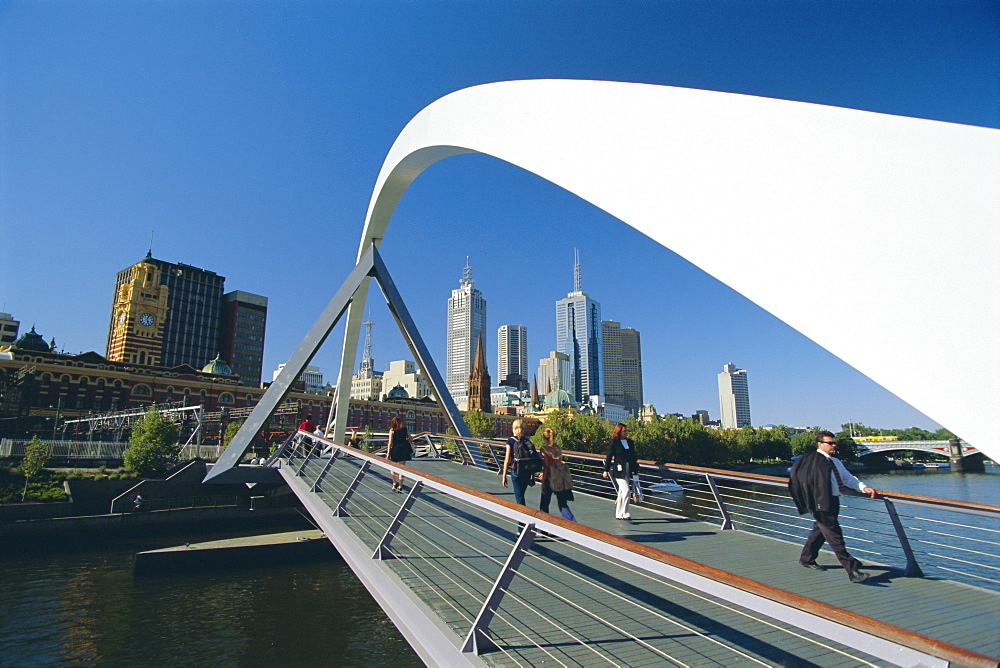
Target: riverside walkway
point(462, 572)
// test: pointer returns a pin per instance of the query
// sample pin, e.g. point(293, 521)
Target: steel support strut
point(339, 510)
point(477, 641)
point(382, 549)
point(912, 567)
point(322, 474)
point(727, 522)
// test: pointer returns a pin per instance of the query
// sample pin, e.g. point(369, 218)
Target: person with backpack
point(522, 460)
point(556, 478)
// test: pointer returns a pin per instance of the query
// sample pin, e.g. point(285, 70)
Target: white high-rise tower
point(512, 356)
point(734, 397)
point(466, 322)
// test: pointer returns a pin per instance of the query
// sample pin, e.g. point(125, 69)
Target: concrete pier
point(249, 551)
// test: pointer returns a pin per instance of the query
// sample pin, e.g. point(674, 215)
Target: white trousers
point(624, 498)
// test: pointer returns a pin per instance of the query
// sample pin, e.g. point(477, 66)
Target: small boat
point(666, 485)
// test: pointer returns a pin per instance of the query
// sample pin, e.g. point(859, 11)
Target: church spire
point(479, 382)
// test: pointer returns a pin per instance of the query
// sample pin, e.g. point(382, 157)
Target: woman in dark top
point(400, 450)
point(620, 464)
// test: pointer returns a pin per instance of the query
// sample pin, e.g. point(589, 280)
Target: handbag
point(558, 477)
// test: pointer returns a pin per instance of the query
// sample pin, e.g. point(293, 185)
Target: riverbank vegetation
point(681, 440)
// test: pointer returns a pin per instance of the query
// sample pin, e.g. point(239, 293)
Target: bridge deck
point(685, 625)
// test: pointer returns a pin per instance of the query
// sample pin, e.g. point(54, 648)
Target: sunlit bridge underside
point(905, 209)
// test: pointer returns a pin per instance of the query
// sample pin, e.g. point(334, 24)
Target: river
point(84, 605)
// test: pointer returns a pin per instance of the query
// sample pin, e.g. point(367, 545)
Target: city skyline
point(252, 151)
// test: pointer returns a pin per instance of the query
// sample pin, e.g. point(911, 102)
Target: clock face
point(146, 319)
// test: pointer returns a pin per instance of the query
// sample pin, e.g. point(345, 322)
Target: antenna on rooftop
point(467, 273)
point(150, 251)
point(576, 270)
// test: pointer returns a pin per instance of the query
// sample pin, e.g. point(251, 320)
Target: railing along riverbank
point(581, 595)
point(920, 535)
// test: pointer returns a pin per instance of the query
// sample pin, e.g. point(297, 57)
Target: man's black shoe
point(857, 576)
point(811, 564)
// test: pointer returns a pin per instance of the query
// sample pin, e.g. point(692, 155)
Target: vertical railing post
point(322, 474)
point(727, 522)
point(912, 567)
point(339, 510)
point(382, 549)
point(477, 641)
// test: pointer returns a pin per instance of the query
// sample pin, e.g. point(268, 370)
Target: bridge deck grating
point(942, 609)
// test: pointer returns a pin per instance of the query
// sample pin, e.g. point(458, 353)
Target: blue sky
point(248, 136)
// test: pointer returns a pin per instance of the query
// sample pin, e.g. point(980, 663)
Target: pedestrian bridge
point(705, 576)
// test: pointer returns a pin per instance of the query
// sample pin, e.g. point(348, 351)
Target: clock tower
point(138, 315)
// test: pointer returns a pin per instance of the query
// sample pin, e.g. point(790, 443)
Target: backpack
point(527, 461)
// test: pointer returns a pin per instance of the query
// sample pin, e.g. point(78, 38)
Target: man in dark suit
point(816, 482)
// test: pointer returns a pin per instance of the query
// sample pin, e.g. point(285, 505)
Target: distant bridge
point(936, 447)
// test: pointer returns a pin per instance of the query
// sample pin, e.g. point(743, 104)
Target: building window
point(141, 390)
point(170, 394)
point(225, 398)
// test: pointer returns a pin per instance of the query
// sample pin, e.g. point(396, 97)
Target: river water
point(83, 605)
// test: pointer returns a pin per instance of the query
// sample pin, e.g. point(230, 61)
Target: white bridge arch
point(872, 194)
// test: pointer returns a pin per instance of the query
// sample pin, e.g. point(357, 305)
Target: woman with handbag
point(400, 450)
point(556, 478)
point(621, 464)
point(522, 460)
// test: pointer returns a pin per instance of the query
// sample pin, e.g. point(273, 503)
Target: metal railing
point(509, 579)
point(13, 448)
point(97, 450)
point(923, 536)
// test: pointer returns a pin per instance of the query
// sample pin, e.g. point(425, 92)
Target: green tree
point(479, 424)
point(153, 446)
point(230, 432)
point(804, 442)
point(36, 456)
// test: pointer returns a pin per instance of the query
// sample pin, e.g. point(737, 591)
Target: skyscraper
point(622, 366)
point(734, 397)
point(512, 356)
point(242, 340)
point(578, 334)
point(611, 349)
point(631, 366)
point(466, 323)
